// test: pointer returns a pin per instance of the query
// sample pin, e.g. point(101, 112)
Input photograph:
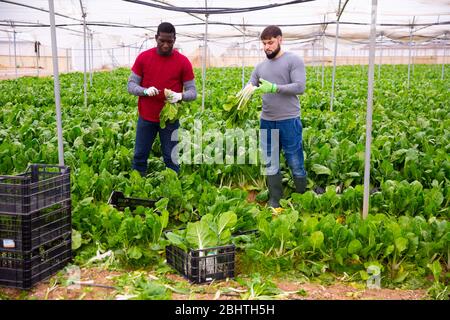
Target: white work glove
point(152, 91)
point(172, 96)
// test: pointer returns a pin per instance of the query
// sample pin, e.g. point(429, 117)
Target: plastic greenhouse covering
point(118, 30)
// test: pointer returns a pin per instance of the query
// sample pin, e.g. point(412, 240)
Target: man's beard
point(166, 53)
point(274, 53)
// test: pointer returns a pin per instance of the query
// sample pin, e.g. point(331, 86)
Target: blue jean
point(146, 132)
point(289, 139)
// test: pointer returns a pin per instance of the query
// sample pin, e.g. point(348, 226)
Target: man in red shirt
point(153, 71)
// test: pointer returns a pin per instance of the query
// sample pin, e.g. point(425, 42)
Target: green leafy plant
point(259, 288)
point(170, 113)
point(210, 231)
point(237, 108)
point(438, 291)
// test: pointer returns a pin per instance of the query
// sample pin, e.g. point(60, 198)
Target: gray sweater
point(288, 73)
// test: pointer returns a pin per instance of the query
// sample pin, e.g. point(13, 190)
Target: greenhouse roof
point(118, 23)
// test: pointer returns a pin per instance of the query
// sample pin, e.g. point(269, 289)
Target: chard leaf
point(339, 259)
point(320, 169)
point(162, 203)
point(364, 275)
point(436, 269)
point(199, 235)
point(226, 220)
point(401, 276)
point(354, 246)
point(389, 250)
point(164, 218)
point(401, 244)
point(134, 253)
point(316, 239)
point(227, 106)
point(225, 236)
point(176, 240)
point(311, 224)
point(264, 227)
point(76, 239)
point(168, 113)
point(353, 174)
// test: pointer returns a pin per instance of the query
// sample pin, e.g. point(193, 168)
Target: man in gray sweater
point(280, 77)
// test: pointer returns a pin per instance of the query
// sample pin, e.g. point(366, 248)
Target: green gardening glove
point(266, 86)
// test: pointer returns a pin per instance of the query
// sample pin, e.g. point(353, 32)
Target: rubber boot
point(275, 190)
point(300, 184)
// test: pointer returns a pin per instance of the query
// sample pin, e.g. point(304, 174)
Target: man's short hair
point(166, 27)
point(271, 32)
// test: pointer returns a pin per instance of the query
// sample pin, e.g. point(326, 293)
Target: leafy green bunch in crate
point(210, 231)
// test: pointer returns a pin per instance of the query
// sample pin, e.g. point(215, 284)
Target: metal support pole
point(15, 53)
point(9, 49)
point(313, 62)
point(323, 50)
point(243, 55)
point(91, 55)
point(37, 57)
point(369, 111)
point(409, 54)
point(259, 50)
point(323, 60)
point(443, 58)
point(362, 60)
point(56, 83)
point(67, 59)
point(205, 37)
point(381, 56)
point(88, 50)
point(112, 58)
point(334, 60)
point(354, 56)
point(85, 63)
point(316, 59)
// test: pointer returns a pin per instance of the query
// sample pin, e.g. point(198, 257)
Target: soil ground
point(99, 284)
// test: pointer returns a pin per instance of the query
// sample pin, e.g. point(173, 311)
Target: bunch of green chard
point(237, 107)
point(170, 113)
point(210, 231)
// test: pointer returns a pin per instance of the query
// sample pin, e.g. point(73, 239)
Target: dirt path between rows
point(98, 284)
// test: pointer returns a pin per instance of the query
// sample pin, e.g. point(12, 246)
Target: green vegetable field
point(317, 237)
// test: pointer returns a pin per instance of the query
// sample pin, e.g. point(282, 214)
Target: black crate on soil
point(19, 269)
point(203, 265)
point(35, 224)
point(118, 200)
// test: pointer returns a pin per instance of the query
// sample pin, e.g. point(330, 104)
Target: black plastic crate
point(203, 265)
point(41, 186)
point(35, 211)
point(118, 200)
point(25, 269)
point(27, 232)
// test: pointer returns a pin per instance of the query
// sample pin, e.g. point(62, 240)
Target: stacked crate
point(35, 225)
